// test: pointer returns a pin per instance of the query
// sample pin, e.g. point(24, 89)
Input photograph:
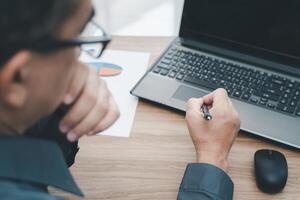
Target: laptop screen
point(270, 26)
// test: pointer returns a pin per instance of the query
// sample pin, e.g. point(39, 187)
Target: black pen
point(206, 114)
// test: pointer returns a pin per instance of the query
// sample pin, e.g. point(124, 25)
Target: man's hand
point(92, 107)
point(213, 139)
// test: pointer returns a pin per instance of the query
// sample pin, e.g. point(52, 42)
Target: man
point(48, 100)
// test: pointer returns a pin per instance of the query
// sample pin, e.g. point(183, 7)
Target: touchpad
point(184, 93)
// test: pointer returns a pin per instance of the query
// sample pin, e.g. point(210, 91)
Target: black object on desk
point(271, 170)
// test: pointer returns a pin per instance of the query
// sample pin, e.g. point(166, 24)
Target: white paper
point(134, 65)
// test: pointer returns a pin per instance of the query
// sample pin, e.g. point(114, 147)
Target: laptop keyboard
point(243, 83)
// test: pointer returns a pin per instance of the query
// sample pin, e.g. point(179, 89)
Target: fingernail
point(64, 129)
point(68, 99)
point(72, 137)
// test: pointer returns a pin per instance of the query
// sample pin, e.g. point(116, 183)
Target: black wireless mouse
point(271, 170)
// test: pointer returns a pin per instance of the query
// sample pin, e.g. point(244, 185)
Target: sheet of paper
point(121, 70)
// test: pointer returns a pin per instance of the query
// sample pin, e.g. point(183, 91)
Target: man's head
point(33, 83)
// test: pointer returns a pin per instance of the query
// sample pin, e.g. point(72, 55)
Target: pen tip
point(209, 117)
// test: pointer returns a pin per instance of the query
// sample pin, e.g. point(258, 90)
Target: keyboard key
point(272, 91)
point(253, 100)
point(288, 91)
point(172, 74)
point(237, 93)
point(164, 72)
point(293, 104)
point(263, 103)
point(284, 101)
point(271, 105)
point(286, 96)
point(290, 85)
point(280, 106)
point(164, 66)
point(273, 86)
point(295, 98)
point(229, 91)
point(157, 70)
point(266, 95)
point(169, 57)
point(277, 80)
point(166, 61)
point(264, 100)
point(298, 112)
point(287, 109)
point(246, 96)
point(180, 77)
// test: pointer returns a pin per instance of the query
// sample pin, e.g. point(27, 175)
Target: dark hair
point(28, 21)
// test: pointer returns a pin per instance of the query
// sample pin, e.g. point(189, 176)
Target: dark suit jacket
point(29, 164)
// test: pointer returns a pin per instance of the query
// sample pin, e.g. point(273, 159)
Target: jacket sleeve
point(17, 191)
point(205, 182)
point(48, 129)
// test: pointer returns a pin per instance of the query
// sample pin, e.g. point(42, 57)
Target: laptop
point(249, 47)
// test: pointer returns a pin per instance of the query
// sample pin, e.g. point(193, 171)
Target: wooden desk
point(150, 164)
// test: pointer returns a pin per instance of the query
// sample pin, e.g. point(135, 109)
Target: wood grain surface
point(150, 164)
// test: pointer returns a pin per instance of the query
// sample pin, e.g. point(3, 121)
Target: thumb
point(194, 105)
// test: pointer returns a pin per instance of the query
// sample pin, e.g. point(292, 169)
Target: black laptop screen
point(272, 26)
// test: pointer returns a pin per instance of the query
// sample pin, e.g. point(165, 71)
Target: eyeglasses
point(93, 40)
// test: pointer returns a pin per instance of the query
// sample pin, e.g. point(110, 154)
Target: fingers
point(84, 103)
point(217, 101)
point(92, 109)
point(222, 106)
point(112, 115)
point(217, 97)
point(77, 84)
point(97, 121)
point(88, 123)
point(193, 110)
point(194, 104)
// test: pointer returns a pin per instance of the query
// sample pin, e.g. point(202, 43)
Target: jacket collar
point(35, 161)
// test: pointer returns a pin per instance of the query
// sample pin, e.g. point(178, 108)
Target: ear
point(13, 91)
